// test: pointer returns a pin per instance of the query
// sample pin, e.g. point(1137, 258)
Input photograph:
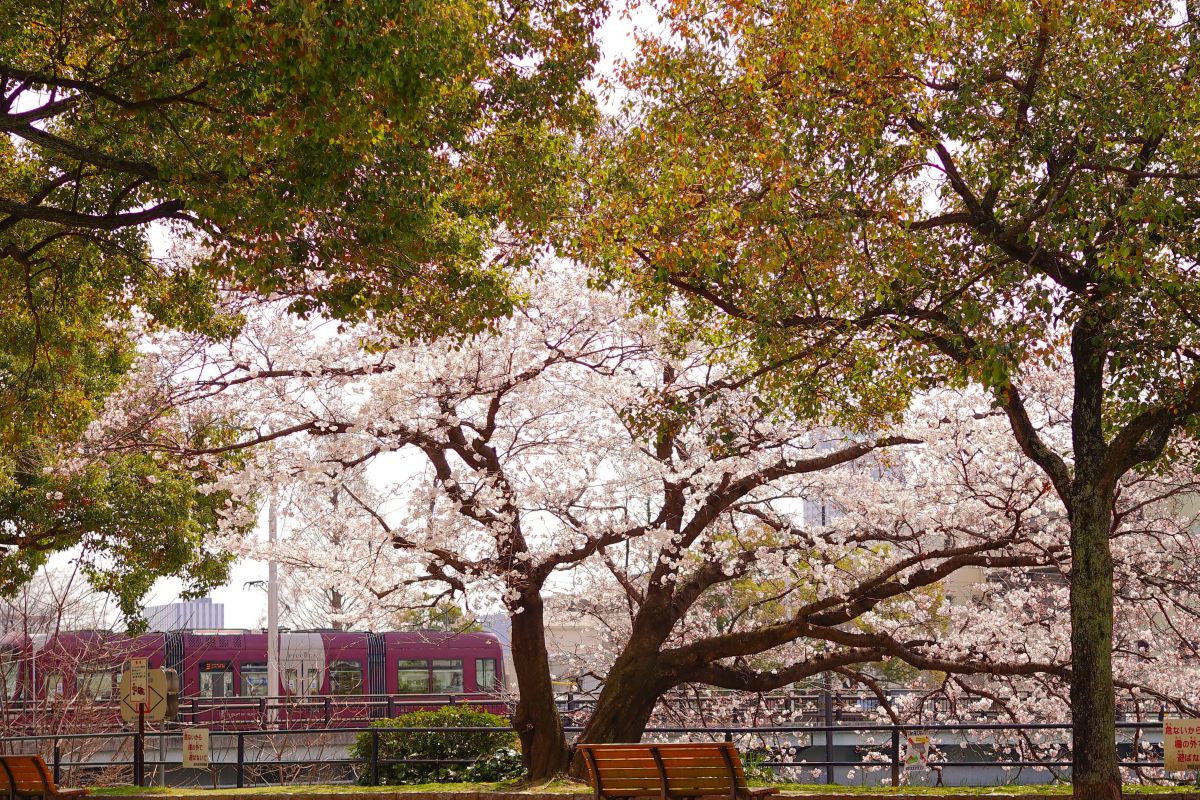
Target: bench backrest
point(28, 775)
point(692, 769)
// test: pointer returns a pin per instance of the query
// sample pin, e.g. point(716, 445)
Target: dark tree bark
point(630, 692)
point(1096, 775)
point(634, 682)
point(543, 744)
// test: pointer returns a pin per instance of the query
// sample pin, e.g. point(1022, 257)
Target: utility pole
point(272, 619)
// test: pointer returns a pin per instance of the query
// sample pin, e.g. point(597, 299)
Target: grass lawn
point(570, 787)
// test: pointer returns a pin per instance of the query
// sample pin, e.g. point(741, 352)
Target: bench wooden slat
point(683, 780)
point(705, 749)
point(711, 762)
point(29, 777)
point(681, 767)
point(713, 759)
point(672, 769)
point(628, 772)
point(653, 791)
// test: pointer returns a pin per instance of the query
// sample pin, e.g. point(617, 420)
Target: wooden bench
point(29, 777)
point(689, 769)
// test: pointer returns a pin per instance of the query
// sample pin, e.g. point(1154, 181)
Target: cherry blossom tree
point(575, 433)
point(490, 466)
point(576, 439)
point(1001, 649)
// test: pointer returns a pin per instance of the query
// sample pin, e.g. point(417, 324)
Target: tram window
point(448, 675)
point(486, 679)
point(412, 677)
point(313, 683)
point(54, 684)
point(345, 677)
point(291, 680)
point(216, 679)
point(254, 680)
point(8, 673)
point(96, 684)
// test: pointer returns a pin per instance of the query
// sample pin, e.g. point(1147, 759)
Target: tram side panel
point(427, 669)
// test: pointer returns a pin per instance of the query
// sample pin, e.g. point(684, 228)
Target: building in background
point(202, 614)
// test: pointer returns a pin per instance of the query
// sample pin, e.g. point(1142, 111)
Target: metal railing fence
point(886, 755)
point(350, 711)
point(299, 711)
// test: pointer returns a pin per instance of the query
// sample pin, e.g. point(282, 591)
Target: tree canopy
point(971, 184)
point(378, 159)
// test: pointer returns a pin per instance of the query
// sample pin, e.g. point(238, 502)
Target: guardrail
point(312, 711)
point(887, 755)
point(231, 713)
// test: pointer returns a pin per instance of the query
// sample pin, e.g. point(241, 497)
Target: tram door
point(301, 664)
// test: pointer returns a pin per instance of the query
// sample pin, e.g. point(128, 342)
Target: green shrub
point(495, 755)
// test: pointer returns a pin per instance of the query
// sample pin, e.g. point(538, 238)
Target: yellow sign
point(160, 700)
point(1181, 745)
point(195, 747)
point(139, 680)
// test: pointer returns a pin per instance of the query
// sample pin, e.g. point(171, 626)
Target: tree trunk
point(1096, 775)
point(623, 709)
point(543, 745)
point(635, 681)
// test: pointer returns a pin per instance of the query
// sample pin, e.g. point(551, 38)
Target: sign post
point(139, 749)
point(1181, 745)
point(159, 700)
point(146, 694)
point(137, 698)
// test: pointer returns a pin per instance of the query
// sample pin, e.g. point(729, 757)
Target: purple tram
point(326, 677)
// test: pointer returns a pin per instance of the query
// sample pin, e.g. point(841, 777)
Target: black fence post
point(728, 735)
point(139, 753)
point(827, 718)
point(328, 711)
point(57, 762)
point(241, 759)
point(895, 754)
point(374, 758)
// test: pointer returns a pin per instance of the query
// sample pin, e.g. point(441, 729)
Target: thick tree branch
point(170, 209)
point(85, 154)
point(1009, 399)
